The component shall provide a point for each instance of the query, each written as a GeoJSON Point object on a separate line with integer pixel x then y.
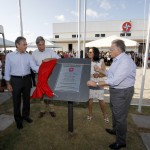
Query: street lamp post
{"type": "Point", "coordinates": [21, 24]}
{"type": "Point", "coordinates": [79, 22]}
{"type": "Point", "coordinates": [84, 35]}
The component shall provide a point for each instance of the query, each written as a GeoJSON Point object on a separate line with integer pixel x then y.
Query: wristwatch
{"type": "Point", "coordinates": [97, 84]}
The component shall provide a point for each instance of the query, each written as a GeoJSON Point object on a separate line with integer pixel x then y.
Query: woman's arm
{"type": "Point", "coordinates": [102, 70]}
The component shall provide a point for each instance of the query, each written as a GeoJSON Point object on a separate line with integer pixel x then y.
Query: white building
{"type": "Point", "coordinates": [65, 34]}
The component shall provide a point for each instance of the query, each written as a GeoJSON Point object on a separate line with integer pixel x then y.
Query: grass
{"type": "Point", "coordinates": [50, 133]}
{"type": "Point", "coordinates": [6, 107]}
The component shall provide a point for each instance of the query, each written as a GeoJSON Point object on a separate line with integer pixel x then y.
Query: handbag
{"type": "Point", "coordinates": [3, 82]}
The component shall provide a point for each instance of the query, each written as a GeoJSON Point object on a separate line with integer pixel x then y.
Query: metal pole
{"type": "Point", "coordinates": [84, 39]}
{"type": "Point", "coordinates": [21, 24]}
{"type": "Point", "coordinates": [145, 65]}
{"type": "Point", "coordinates": [79, 20]}
{"type": "Point", "coordinates": [70, 116]}
{"type": "Point", "coordinates": [4, 43]}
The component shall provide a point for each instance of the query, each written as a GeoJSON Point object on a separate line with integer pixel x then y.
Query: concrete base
{"type": "Point", "coordinates": [5, 121]}
{"type": "Point", "coordinates": [141, 121]}
{"type": "Point", "coordinates": [146, 140]}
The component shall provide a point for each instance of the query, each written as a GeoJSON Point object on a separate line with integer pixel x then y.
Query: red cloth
{"type": "Point", "coordinates": [44, 72]}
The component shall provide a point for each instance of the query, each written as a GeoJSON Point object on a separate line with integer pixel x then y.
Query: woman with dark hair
{"type": "Point", "coordinates": [96, 92]}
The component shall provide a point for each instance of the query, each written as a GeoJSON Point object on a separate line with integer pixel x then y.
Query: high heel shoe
{"type": "Point", "coordinates": [89, 117]}
{"type": "Point", "coordinates": [106, 119]}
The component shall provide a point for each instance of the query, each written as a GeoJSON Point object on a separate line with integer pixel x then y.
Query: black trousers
{"type": "Point", "coordinates": [33, 78]}
{"type": "Point", "coordinates": [21, 90]}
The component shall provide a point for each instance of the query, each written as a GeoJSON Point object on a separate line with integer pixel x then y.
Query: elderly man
{"type": "Point", "coordinates": [43, 53]}
{"type": "Point", "coordinates": [121, 80]}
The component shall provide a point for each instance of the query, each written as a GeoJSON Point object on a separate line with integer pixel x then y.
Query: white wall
{"type": "Point", "coordinates": [113, 27]}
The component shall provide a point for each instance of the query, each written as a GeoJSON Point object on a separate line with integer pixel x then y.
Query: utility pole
{"type": "Point", "coordinates": [21, 24]}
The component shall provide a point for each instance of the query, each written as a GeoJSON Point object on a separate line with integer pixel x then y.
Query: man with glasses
{"type": "Point", "coordinates": [121, 80]}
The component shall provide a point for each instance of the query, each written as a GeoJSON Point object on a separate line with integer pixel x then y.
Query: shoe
{"type": "Point", "coordinates": [1, 90]}
{"type": "Point", "coordinates": [117, 146]}
{"type": "Point", "coordinates": [110, 131]}
{"type": "Point", "coordinates": [106, 119]}
{"type": "Point", "coordinates": [89, 117]}
{"type": "Point", "coordinates": [41, 114]}
{"type": "Point", "coordinates": [52, 113]}
{"type": "Point", "coordinates": [19, 125]}
{"type": "Point", "coordinates": [28, 119]}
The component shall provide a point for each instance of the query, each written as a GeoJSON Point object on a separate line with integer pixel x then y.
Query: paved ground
{"type": "Point", "coordinates": [5, 121]}
{"type": "Point", "coordinates": [146, 140]}
{"type": "Point", "coordinates": [143, 122]}
{"type": "Point", "coordinates": [4, 96]}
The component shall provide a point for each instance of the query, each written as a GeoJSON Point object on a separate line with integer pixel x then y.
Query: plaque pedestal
{"type": "Point", "coordinates": [68, 81]}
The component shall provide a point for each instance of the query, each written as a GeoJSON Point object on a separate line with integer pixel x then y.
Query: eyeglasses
{"type": "Point", "coordinates": [112, 49]}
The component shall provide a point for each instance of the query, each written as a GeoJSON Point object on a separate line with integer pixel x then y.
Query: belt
{"type": "Point", "coordinates": [121, 89]}
{"type": "Point", "coordinates": [20, 77]}
{"type": "Point", "coordinates": [112, 88]}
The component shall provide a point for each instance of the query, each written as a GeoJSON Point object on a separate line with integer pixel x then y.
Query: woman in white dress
{"type": "Point", "coordinates": [96, 92]}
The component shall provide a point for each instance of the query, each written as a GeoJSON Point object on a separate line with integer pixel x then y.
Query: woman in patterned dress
{"type": "Point", "coordinates": [96, 92]}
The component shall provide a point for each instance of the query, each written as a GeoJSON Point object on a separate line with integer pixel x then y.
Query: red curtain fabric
{"type": "Point", "coordinates": [44, 72]}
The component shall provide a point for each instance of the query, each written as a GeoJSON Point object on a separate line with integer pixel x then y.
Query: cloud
{"type": "Point", "coordinates": [105, 4]}
{"type": "Point", "coordinates": [74, 13]}
{"type": "Point", "coordinates": [94, 14]}
{"type": "Point", "coordinates": [91, 13]}
{"type": "Point", "coordinates": [60, 18]}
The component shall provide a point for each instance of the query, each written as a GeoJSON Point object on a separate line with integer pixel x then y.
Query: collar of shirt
{"type": "Point", "coordinates": [118, 57]}
{"type": "Point", "coordinates": [41, 51]}
{"type": "Point", "coordinates": [17, 52]}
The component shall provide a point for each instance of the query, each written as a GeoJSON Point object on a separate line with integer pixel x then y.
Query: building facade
{"type": "Point", "coordinates": [66, 36]}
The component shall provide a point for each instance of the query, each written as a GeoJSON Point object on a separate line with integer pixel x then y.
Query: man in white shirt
{"type": "Point", "coordinates": [39, 55]}
{"type": "Point", "coordinates": [18, 80]}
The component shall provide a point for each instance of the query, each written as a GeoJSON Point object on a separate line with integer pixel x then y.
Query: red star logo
{"type": "Point", "coordinates": [71, 69]}
{"type": "Point", "coordinates": [126, 26]}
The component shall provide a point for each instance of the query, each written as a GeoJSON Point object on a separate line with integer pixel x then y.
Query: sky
{"type": "Point", "coordinates": [38, 16]}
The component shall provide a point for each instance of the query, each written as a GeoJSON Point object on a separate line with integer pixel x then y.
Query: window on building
{"type": "Point", "coordinates": [73, 36]}
{"type": "Point", "coordinates": [102, 35]}
{"type": "Point", "coordinates": [97, 35]}
{"type": "Point", "coordinates": [128, 34]}
{"type": "Point", "coordinates": [56, 36]}
{"type": "Point", "coordinates": [122, 34]}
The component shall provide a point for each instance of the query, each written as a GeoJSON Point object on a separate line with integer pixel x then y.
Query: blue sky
{"type": "Point", "coordinates": [39, 15]}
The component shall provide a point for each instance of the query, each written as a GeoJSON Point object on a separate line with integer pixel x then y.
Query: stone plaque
{"type": "Point", "coordinates": [69, 79]}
